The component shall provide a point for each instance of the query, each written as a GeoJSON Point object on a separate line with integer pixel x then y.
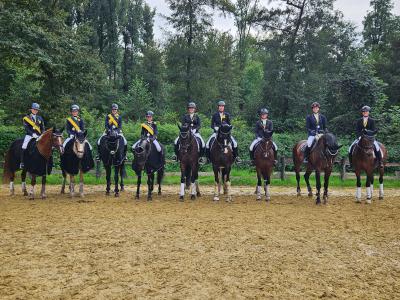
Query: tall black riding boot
{"type": "Point", "coordinates": [275, 157]}
{"type": "Point", "coordinates": [306, 154]}
{"type": "Point", "coordinates": [125, 152]}
{"type": "Point", "coordinates": [235, 154]}
{"type": "Point", "coordinates": [22, 164]}
{"type": "Point", "coordinates": [351, 159]}
{"type": "Point", "coordinates": [379, 158]}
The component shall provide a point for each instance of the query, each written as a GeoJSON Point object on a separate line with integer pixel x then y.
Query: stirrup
{"type": "Point", "coordinates": [21, 165]}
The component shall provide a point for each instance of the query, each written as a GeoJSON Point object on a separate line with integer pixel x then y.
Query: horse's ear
{"type": "Point", "coordinates": [85, 133]}
{"type": "Point", "coordinates": [62, 129]}
{"type": "Point", "coordinates": [180, 127]}
{"type": "Point", "coordinates": [340, 146]}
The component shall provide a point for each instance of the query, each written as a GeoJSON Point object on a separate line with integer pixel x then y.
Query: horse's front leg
{"type": "Point", "coordinates": [318, 183]}
{"type": "Point", "coordinates": [160, 175]}
{"type": "Point", "coordinates": [258, 188]}
{"type": "Point", "coordinates": [307, 179]}
{"type": "Point", "coordinates": [326, 185]}
{"type": "Point", "coordinates": [71, 186]}
{"type": "Point", "coordinates": [368, 187]}
{"type": "Point", "coordinates": [63, 182]}
{"type": "Point", "coordinates": [150, 184]}
{"type": "Point", "coordinates": [298, 182]}
{"type": "Point", "coordinates": [139, 181]}
{"type": "Point", "coordinates": [116, 180]}
{"type": "Point", "coordinates": [121, 174]}
{"type": "Point", "coordinates": [43, 190]}
{"type": "Point", "coordinates": [358, 187]}
{"type": "Point", "coordinates": [12, 189]}
{"type": "Point", "coordinates": [228, 184]}
{"type": "Point", "coordinates": [108, 179]}
{"type": "Point", "coordinates": [23, 182]}
{"type": "Point", "coordinates": [81, 183]}
{"type": "Point", "coordinates": [216, 187]}
{"type": "Point", "coordinates": [381, 173]}
{"type": "Point", "coordinates": [267, 182]}
{"type": "Point", "coordinates": [183, 181]}
{"type": "Point", "coordinates": [32, 191]}
{"type": "Point", "coordinates": [193, 181]}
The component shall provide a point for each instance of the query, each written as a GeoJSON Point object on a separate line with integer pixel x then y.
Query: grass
{"type": "Point", "coordinates": [238, 177]}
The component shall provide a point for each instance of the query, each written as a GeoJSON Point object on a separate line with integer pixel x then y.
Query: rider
{"type": "Point", "coordinates": [34, 127]}
{"type": "Point", "coordinates": [262, 124]}
{"type": "Point", "coordinates": [315, 124]}
{"type": "Point", "coordinates": [149, 129]}
{"type": "Point", "coordinates": [74, 124]}
{"type": "Point", "coordinates": [114, 121]}
{"type": "Point", "coordinates": [193, 120]}
{"type": "Point", "coordinates": [366, 122]}
{"type": "Point", "coordinates": [221, 117]}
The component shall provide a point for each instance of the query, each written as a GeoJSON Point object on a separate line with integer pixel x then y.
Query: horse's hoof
{"type": "Point", "coordinates": [137, 197]}
{"type": "Point", "coordinates": [62, 192]}
{"type": "Point", "coordinates": [318, 202]}
{"type": "Point", "coordinates": [310, 194]}
{"type": "Point", "coordinates": [31, 197]}
{"type": "Point", "coordinates": [82, 195]}
{"type": "Point", "coordinates": [380, 197]}
{"type": "Point", "coordinates": [149, 198]}
{"type": "Point", "coordinates": [268, 199]}
{"type": "Point", "coordinates": [198, 194]}
{"type": "Point", "coordinates": [357, 200]}
{"type": "Point", "coordinates": [116, 195]}
{"type": "Point", "coordinates": [181, 198]}
{"type": "Point", "coordinates": [44, 196]}
{"type": "Point", "coordinates": [25, 193]}
{"type": "Point", "coordinates": [159, 193]}
{"type": "Point", "coordinates": [368, 201]}
{"type": "Point", "coordinates": [193, 197]}
{"type": "Point", "coordinates": [298, 194]}
{"type": "Point", "coordinates": [216, 198]}
{"type": "Point", "coordinates": [122, 189]}
{"type": "Point", "coordinates": [107, 193]}
{"type": "Point", "coordinates": [258, 198]}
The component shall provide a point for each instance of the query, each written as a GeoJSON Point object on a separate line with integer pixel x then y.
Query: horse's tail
{"type": "Point", "coordinates": [7, 171]}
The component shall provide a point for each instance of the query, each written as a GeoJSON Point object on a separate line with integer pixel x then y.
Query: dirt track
{"type": "Point", "coordinates": [121, 248]}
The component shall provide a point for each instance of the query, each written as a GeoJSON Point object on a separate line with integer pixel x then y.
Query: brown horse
{"type": "Point", "coordinates": [188, 156]}
{"type": "Point", "coordinates": [363, 158]}
{"type": "Point", "coordinates": [38, 160]}
{"type": "Point", "coordinates": [221, 157]}
{"type": "Point", "coordinates": [264, 161]}
{"type": "Point", "coordinates": [321, 159]}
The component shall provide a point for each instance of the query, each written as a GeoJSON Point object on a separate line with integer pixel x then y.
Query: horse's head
{"type": "Point", "coordinates": [112, 141]}
{"type": "Point", "coordinates": [224, 133]}
{"type": "Point", "coordinates": [267, 134]}
{"type": "Point", "coordinates": [185, 136]}
{"type": "Point", "coordinates": [58, 140]}
{"type": "Point", "coordinates": [330, 144]}
{"type": "Point", "coordinates": [142, 150]}
{"type": "Point", "coordinates": [367, 139]}
{"type": "Point", "coordinates": [79, 143]}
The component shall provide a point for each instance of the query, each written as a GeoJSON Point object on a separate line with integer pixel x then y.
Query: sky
{"type": "Point", "coordinates": [353, 10]}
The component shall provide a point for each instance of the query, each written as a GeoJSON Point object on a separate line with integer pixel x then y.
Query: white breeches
{"type": "Point", "coordinates": [258, 140]}
{"type": "Point", "coordinates": [234, 143]}
{"type": "Point", "coordinates": [377, 148]}
{"type": "Point", "coordinates": [27, 139]}
{"type": "Point", "coordinates": [310, 141]}
{"type": "Point", "coordinates": [120, 134]}
{"type": "Point", "coordinates": [71, 137]}
{"type": "Point", "coordinates": [155, 142]}
{"type": "Point", "coordinates": [196, 134]}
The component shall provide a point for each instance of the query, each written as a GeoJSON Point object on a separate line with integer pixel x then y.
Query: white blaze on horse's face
{"type": "Point", "coordinates": [79, 148]}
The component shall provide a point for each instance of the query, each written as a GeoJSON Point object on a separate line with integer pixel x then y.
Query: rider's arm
{"type": "Point", "coordinates": [198, 123]}
{"type": "Point", "coordinates": [82, 125]}
{"type": "Point", "coordinates": [155, 130]}
{"type": "Point", "coordinates": [107, 124]}
{"type": "Point", "coordinates": [308, 125]}
{"type": "Point", "coordinates": [359, 127]}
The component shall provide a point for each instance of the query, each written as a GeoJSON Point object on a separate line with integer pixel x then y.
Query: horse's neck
{"type": "Point", "coordinates": [45, 144]}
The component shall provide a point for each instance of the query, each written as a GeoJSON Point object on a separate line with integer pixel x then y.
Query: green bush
{"type": "Point", "coordinates": [8, 134]}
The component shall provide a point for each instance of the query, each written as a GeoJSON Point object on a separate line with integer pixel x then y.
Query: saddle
{"type": "Point", "coordinates": [313, 145]}
{"type": "Point", "coordinates": [212, 141]}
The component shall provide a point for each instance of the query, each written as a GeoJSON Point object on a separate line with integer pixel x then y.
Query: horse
{"type": "Point", "coordinates": [146, 157]}
{"type": "Point", "coordinates": [77, 158]}
{"type": "Point", "coordinates": [264, 162]}
{"type": "Point", "coordinates": [363, 158]}
{"type": "Point", "coordinates": [321, 159]}
{"type": "Point", "coordinates": [221, 157]}
{"type": "Point", "coordinates": [38, 160]}
{"type": "Point", "coordinates": [188, 156]}
{"type": "Point", "coordinates": [111, 150]}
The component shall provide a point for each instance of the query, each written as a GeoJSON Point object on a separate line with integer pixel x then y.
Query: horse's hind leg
{"type": "Point", "coordinates": [228, 184]}
{"type": "Point", "coordinates": [216, 187]}
{"type": "Point", "coordinates": [23, 182]}
{"type": "Point", "coordinates": [63, 182]}
{"type": "Point", "coordinates": [43, 190]}
{"type": "Point", "coordinates": [81, 184]}
{"type": "Point", "coordinates": [160, 176]}
{"type": "Point", "coordinates": [267, 182]}
{"type": "Point", "coordinates": [193, 183]}
{"type": "Point", "coordinates": [32, 191]}
{"type": "Point", "coordinates": [12, 189]}
{"type": "Point", "coordinates": [71, 186]}
{"type": "Point", "coordinates": [108, 179]}
{"type": "Point", "coordinates": [183, 184]}
{"type": "Point", "coordinates": [298, 182]}
{"type": "Point", "coordinates": [368, 186]}
{"type": "Point", "coordinates": [326, 185]}
{"type": "Point", "coordinates": [381, 173]}
{"type": "Point", "coordinates": [150, 186]}
{"type": "Point", "coordinates": [121, 174]}
{"type": "Point", "coordinates": [139, 181]}
{"type": "Point", "coordinates": [318, 181]}
{"type": "Point", "coordinates": [358, 189]}
{"type": "Point", "coordinates": [307, 179]}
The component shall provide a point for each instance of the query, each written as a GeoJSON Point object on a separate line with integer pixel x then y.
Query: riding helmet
{"type": "Point", "coordinates": [191, 105]}
{"type": "Point", "coordinates": [365, 108]}
{"type": "Point", "coordinates": [263, 111]}
{"type": "Point", "coordinates": [35, 106]}
{"type": "Point", "coordinates": [315, 104]}
{"type": "Point", "coordinates": [114, 106]}
{"type": "Point", "coordinates": [74, 107]}
{"type": "Point", "coordinates": [221, 103]}
{"type": "Point", "coordinates": [149, 113]}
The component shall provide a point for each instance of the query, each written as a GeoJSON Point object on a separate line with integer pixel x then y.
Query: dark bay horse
{"type": "Point", "coordinates": [321, 159]}
{"type": "Point", "coordinates": [38, 160]}
{"type": "Point", "coordinates": [77, 158]}
{"type": "Point", "coordinates": [147, 158]}
{"type": "Point", "coordinates": [188, 156]}
{"type": "Point", "coordinates": [363, 158]}
{"type": "Point", "coordinates": [111, 151]}
{"type": "Point", "coordinates": [264, 162]}
{"type": "Point", "coordinates": [221, 157]}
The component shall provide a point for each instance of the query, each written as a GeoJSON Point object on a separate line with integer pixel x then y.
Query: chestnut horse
{"type": "Point", "coordinates": [38, 160]}
{"type": "Point", "coordinates": [264, 162]}
{"type": "Point", "coordinates": [321, 159]}
{"type": "Point", "coordinates": [363, 159]}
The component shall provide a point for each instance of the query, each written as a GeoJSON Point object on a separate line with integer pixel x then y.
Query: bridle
{"type": "Point", "coordinates": [225, 137]}
{"type": "Point", "coordinates": [367, 149]}
{"type": "Point", "coordinates": [187, 137]}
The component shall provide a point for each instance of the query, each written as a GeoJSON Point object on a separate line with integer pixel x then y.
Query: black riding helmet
{"type": "Point", "coordinates": [315, 104]}
{"type": "Point", "coordinates": [365, 108]}
{"type": "Point", "coordinates": [263, 111]}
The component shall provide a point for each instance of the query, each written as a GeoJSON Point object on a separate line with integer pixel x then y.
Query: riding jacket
{"type": "Point", "coordinates": [33, 124]}
{"type": "Point", "coordinates": [74, 125]}
{"type": "Point", "coordinates": [192, 120]}
{"type": "Point", "coordinates": [315, 123]}
{"type": "Point", "coordinates": [219, 118]}
{"type": "Point", "coordinates": [113, 121]}
{"type": "Point", "coordinates": [260, 127]}
{"type": "Point", "coordinates": [150, 128]}
{"type": "Point", "coordinates": [368, 124]}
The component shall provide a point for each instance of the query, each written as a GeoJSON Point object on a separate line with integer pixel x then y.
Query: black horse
{"type": "Point", "coordinates": [221, 157]}
{"type": "Point", "coordinates": [146, 157]}
{"type": "Point", "coordinates": [77, 158]}
{"type": "Point", "coordinates": [188, 156]}
{"type": "Point", "coordinates": [38, 160]}
{"type": "Point", "coordinates": [111, 152]}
